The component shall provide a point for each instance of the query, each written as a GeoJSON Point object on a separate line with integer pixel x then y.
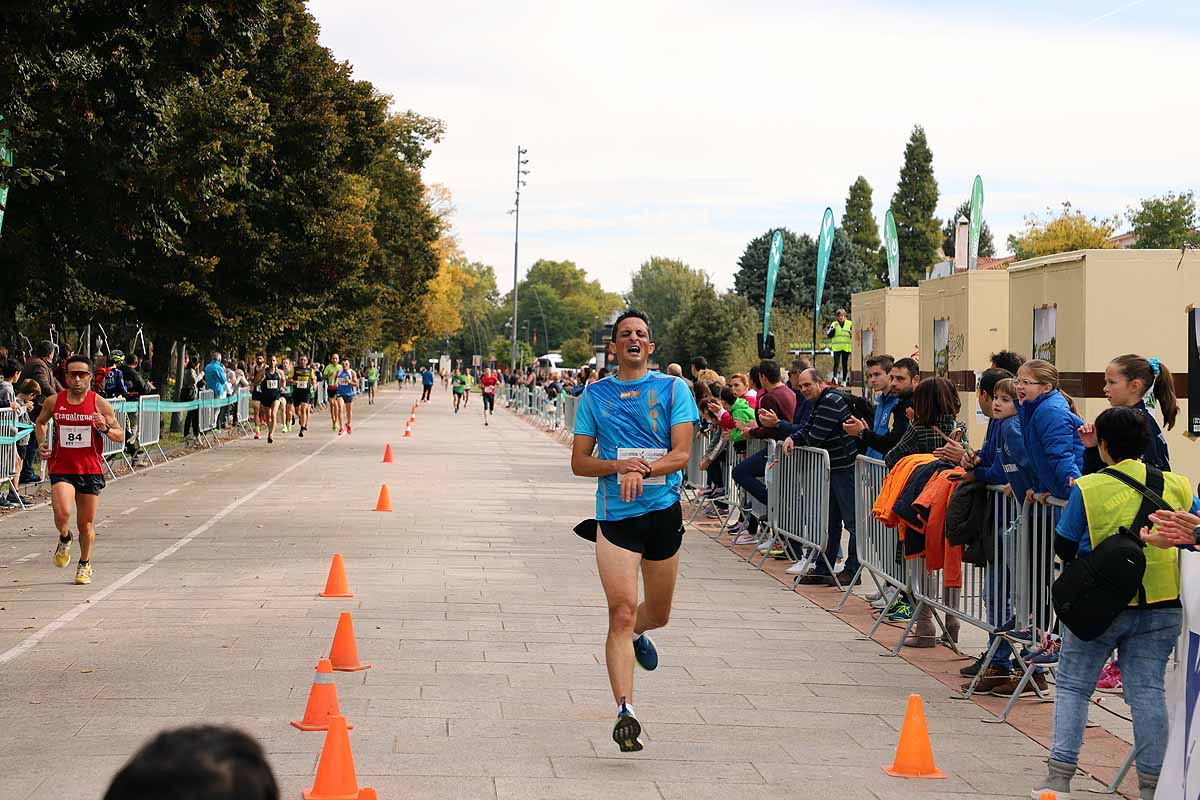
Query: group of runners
{"type": "Point", "coordinates": [281, 394]}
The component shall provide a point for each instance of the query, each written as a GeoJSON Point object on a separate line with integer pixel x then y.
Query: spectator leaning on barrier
{"type": "Point", "coordinates": [1050, 425]}
{"type": "Point", "coordinates": [1144, 633]}
{"type": "Point", "coordinates": [879, 377]}
{"type": "Point", "coordinates": [215, 379]}
{"type": "Point", "coordinates": [776, 403]}
{"type": "Point", "coordinates": [903, 377]}
{"type": "Point", "coordinates": [823, 430]}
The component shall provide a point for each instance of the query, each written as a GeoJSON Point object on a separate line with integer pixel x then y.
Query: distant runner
{"type": "Point", "coordinates": [270, 394]}
{"type": "Point", "coordinates": [488, 384]}
{"type": "Point", "coordinates": [426, 384]}
{"type": "Point", "coordinates": [372, 379]}
{"type": "Point", "coordinates": [82, 420]}
{"type": "Point", "coordinates": [302, 383]}
{"type": "Point", "coordinates": [331, 384]}
{"type": "Point", "coordinates": [643, 423]}
{"type": "Point", "coordinates": [460, 388]}
{"type": "Point", "coordinates": [347, 383]}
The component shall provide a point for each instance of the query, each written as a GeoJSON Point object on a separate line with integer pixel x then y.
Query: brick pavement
{"type": "Point", "coordinates": [483, 617]}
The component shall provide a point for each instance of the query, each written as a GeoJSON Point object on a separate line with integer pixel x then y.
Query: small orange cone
{"type": "Point", "coordinates": [387, 454]}
{"type": "Point", "coordinates": [335, 584]}
{"type": "Point", "coordinates": [384, 503]}
{"type": "Point", "coordinates": [1048, 795]}
{"type": "Point", "coordinates": [914, 754]}
{"type": "Point", "coordinates": [335, 771]}
{"type": "Point", "coordinates": [412, 418]}
{"type": "Point", "coordinates": [408, 430]}
{"type": "Point", "coordinates": [322, 701]}
{"type": "Point", "coordinates": [344, 653]}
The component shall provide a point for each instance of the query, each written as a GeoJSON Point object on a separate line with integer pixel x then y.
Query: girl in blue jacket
{"type": "Point", "coordinates": [1050, 429]}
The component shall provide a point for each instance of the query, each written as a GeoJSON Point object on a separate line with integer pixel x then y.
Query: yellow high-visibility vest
{"type": "Point", "coordinates": [841, 339]}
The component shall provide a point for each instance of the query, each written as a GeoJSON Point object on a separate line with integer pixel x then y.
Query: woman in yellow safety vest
{"type": "Point", "coordinates": [1145, 633]}
{"type": "Point", "coordinates": [840, 342]}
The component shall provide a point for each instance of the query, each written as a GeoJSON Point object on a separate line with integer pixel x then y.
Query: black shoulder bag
{"type": "Point", "coordinates": [1097, 586]}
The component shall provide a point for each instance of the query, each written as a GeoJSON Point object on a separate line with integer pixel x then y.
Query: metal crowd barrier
{"type": "Point", "coordinates": [207, 414]}
{"type": "Point", "coordinates": [8, 452]}
{"type": "Point", "coordinates": [149, 425]}
{"type": "Point", "coordinates": [798, 503]}
{"type": "Point", "coordinates": [570, 404]}
{"type": "Point", "coordinates": [243, 409]}
{"type": "Point", "coordinates": [878, 546]}
{"type": "Point", "coordinates": [117, 449]}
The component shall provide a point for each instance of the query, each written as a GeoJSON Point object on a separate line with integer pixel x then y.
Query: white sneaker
{"type": "Point", "coordinates": [800, 568]}
{"type": "Point", "coordinates": [765, 546]}
{"type": "Point", "coordinates": [744, 538]}
{"type": "Point", "coordinates": [839, 566]}
{"type": "Point", "coordinates": [873, 596]}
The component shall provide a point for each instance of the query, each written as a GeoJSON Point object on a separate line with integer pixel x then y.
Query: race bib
{"type": "Point", "coordinates": [301, 384]}
{"type": "Point", "coordinates": [650, 454]}
{"type": "Point", "coordinates": [74, 436]}
{"type": "Point", "coordinates": [343, 381]}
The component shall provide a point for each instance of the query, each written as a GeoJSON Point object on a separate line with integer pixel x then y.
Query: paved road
{"type": "Point", "coordinates": [482, 616]}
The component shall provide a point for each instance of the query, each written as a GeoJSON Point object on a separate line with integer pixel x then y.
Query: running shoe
{"type": "Point", "coordinates": [900, 612]}
{"type": "Point", "coordinates": [349, 430]}
{"type": "Point", "coordinates": [83, 574]}
{"type": "Point", "coordinates": [62, 553]}
{"type": "Point", "coordinates": [302, 433]}
{"type": "Point", "coordinates": [627, 730]}
{"type": "Point", "coordinates": [339, 430]}
{"type": "Point", "coordinates": [764, 546]}
{"type": "Point", "coordinates": [645, 652]}
{"type": "Point", "coordinates": [270, 440]}
{"type": "Point", "coordinates": [1110, 678]}
{"type": "Point", "coordinates": [256, 435]}
{"type": "Point", "coordinates": [971, 670]}
{"type": "Point", "coordinates": [873, 596]}
{"type": "Point", "coordinates": [744, 538]}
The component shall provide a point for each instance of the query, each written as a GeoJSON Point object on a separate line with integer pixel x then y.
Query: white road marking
{"type": "Point", "coordinates": [186, 483]}
{"type": "Point", "coordinates": [149, 500]}
{"type": "Point", "coordinates": [170, 492]}
{"type": "Point", "coordinates": [128, 511]}
{"type": "Point", "coordinates": [25, 558]}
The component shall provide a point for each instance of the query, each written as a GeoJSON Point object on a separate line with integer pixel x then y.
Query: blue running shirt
{"type": "Point", "coordinates": [639, 414]}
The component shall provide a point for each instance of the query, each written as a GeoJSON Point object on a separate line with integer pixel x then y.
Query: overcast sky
{"type": "Point", "coordinates": [684, 129]}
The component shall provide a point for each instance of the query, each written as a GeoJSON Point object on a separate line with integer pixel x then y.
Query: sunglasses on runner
{"type": "Point", "coordinates": [77, 374]}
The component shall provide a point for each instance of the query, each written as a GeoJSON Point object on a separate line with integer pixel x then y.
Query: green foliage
{"type": "Point", "coordinates": [559, 302]}
{"type": "Point", "coordinates": [858, 222]}
{"type": "Point", "coordinates": [987, 248]}
{"type": "Point", "coordinates": [663, 288]}
{"type": "Point", "coordinates": [576, 352]}
{"type": "Point", "coordinates": [1061, 232]}
{"type": "Point", "coordinates": [914, 205]}
{"type": "Point", "coordinates": [1165, 222]}
{"type": "Point", "coordinates": [796, 283]}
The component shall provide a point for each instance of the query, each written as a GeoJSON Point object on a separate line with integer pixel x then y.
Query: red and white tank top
{"type": "Point", "coordinates": [77, 443]}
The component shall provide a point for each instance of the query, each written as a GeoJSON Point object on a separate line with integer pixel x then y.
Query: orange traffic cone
{"type": "Point", "coordinates": [335, 584]}
{"type": "Point", "coordinates": [387, 454]}
{"type": "Point", "coordinates": [384, 503]}
{"type": "Point", "coordinates": [344, 653]}
{"type": "Point", "coordinates": [1048, 795]}
{"type": "Point", "coordinates": [322, 701]}
{"type": "Point", "coordinates": [412, 418]}
{"type": "Point", "coordinates": [335, 771]}
{"type": "Point", "coordinates": [408, 430]}
{"type": "Point", "coordinates": [914, 754]}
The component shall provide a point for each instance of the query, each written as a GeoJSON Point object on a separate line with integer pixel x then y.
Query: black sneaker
{"type": "Point", "coordinates": [971, 670]}
{"type": "Point", "coordinates": [626, 731]}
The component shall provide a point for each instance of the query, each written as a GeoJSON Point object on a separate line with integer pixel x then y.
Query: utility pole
{"type": "Point", "coordinates": [516, 212]}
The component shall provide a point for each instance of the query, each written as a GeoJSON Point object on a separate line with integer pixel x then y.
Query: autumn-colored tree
{"type": "Point", "coordinates": [1061, 232]}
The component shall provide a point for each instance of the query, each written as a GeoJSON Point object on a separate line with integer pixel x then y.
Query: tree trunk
{"type": "Point", "coordinates": [179, 363]}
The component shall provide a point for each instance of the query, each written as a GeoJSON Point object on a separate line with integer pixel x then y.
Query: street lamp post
{"type": "Point", "coordinates": [516, 212]}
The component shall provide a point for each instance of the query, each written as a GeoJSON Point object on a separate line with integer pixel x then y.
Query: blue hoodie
{"type": "Point", "coordinates": [1050, 431]}
{"type": "Point", "coordinates": [1010, 454]}
{"type": "Point", "coordinates": [883, 420]}
{"type": "Point", "coordinates": [990, 469]}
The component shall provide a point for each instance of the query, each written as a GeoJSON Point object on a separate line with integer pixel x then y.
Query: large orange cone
{"type": "Point", "coordinates": [387, 454]}
{"type": "Point", "coordinates": [1048, 795]}
{"type": "Point", "coordinates": [384, 503]}
{"type": "Point", "coordinates": [335, 584]}
{"type": "Point", "coordinates": [408, 430]}
{"type": "Point", "coordinates": [914, 754]}
{"type": "Point", "coordinates": [335, 771]}
{"type": "Point", "coordinates": [344, 653]}
{"type": "Point", "coordinates": [322, 701]}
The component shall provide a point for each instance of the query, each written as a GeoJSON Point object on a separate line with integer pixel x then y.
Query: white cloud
{"type": "Point", "coordinates": [687, 128]}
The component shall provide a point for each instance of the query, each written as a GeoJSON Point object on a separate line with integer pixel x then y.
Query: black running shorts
{"type": "Point", "coordinates": [84, 484]}
{"type": "Point", "coordinates": [657, 535]}
{"type": "Point", "coordinates": [299, 397]}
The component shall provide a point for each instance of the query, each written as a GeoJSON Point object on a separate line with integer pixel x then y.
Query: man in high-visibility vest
{"type": "Point", "coordinates": [1145, 633]}
{"type": "Point", "coordinates": [840, 335]}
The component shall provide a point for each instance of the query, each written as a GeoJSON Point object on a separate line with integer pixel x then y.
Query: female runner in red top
{"type": "Point", "coordinates": [81, 417]}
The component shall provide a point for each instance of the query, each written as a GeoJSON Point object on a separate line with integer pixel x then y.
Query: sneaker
{"type": "Point", "coordinates": [971, 670]}
{"type": "Point", "coordinates": [815, 579]}
{"type": "Point", "coordinates": [256, 435]}
{"type": "Point", "coordinates": [744, 538]}
{"type": "Point", "coordinates": [627, 730]}
{"type": "Point", "coordinates": [1047, 654]}
{"type": "Point", "coordinates": [800, 568]}
{"type": "Point", "coordinates": [1007, 688]}
{"type": "Point", "coordinates": [83, 574]}
{"type": "Point", "coordinates": [992, 678]}
{"type": "Point", "coordinates": [339, 430]}
{"type": "Point", "coordinates": [764, 547]}
{"type": "Point", "coordinates": [848, 578]}
{"type": "Point", "coordinates": [1110, 678]}
{"type": "Point", "coordinates": [901, 611]}
{"type": "Point", "coordinates": [874, 597]}
{"type": "Point", "coordinates": [1023, 635]}
{"type": "Point", "coordinates": [349, 430]}
{"type": "Point", "coordinates": [302, 433]}
{"type": "Point", "coordinates": [62, 553]}
{"type": "Point", "coordinates": [645, 652]}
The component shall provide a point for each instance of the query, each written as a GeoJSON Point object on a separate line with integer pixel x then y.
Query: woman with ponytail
{"type": "Point", "coordinates": [1128, 381]}
{"type": "Point", "coordinates": [1050, 427]}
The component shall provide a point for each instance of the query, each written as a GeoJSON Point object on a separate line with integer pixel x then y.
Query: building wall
{"type": "Point", "coordinates": [892, 315]}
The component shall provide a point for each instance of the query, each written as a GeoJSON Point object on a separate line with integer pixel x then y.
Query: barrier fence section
{"type": "Point", "coordinates": [798, 503]}
{"type": "Point", "coordinates": [207, 414]}
{"type": "Point", "coordinates": [117, 449]}
{"type": "Point", "coordinates": [8, 449]}
{"type": "Point", "coordinates": [570, 403]}
{"type": "Point", "coordinates": [243, 409]}
{"type": "Point", "coordinates": [149, 424]}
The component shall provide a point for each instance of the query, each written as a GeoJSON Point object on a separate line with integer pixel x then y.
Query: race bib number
{"type": "Point", "coordinates": [272, 384]}
{"type": "Point", "coordinates": [650, 454]}
{"type": "Point", "coordinates": [301, 384]}
{"type": "Point", "coordinates": [343, 381]}
{"type": "Point", "coordinates": [74, 436]}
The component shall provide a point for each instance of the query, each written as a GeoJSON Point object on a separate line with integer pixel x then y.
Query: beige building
{"type": "Point", "coordinates": [885, 321]}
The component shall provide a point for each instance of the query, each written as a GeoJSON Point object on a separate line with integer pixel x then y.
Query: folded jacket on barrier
{"type": "Point", "coordinates": [969, 522]}
{"type": "Point", "coordinates": [893, 484]}
{"type": "Point", "coordinates": [931, 506]}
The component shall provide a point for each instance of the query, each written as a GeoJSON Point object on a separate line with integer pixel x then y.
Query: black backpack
{"type": "Point", "coordinates": [1097, 586]}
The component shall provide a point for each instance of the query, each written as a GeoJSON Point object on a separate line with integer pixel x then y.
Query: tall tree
{"type": "Point", "coordinates": [859, 224]}
{"type": "Point", "coordinates": [660, 288]}
{"type": "Point", "coordinates": [1060, 232]}
{"type": "Point", "coordinates": [914, 206]}
{"type": "Point", "coordinates": [987, 247]}
{"type": "Point", "coordinates": [796, 283]}
{"type": "Point", "coordinates": [1165, 222]}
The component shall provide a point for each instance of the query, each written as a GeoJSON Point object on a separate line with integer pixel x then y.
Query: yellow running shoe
{"type": "Point", "coordinates": [83, 575]}
{"type": "Point", "coordinates": [62, 553]}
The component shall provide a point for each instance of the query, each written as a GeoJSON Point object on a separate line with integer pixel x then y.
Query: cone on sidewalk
{"type": "Point", "coordinates": [335, 584]}
{"type": "Point", "coordinates": [335, 771]}
{"type": "Point", "coordinates": [343, 655]}
{"type": "Point", "coordinates": [387, 454]}
{"type": "Point", "coordinates": [412, 418]}
{"type": "Point", "coordinates": [408, 430]}
{"type": "Point", "coordinates": [322, 701]}
{"type": "Point", "coordinates": [384, 503]}
{"type": "Point", "coordinates": [914, 754]}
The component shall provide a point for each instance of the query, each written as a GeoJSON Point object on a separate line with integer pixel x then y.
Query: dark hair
{"type": "Point", "coordinates": [9, 367]}
{"type": "Point", "coordinates": [885, 363]}
{"type": "Point", "coordinates": [44, 349]}
{"type": "Point", "coordinates": [769, 370]}
{"type": "Point", "coordinates": [1007, 360]}
{"type": "Point", "coordinates": [755, 377]}
{"type": "Point", "coordinates": [1123, 431]}
{"type": "Point", "coordinates": [133, 360]}
{"type": "Point", "coordinates": [630, 314]}
{"type": "Point", "coordinates": [799, 365]}
{"type": "Point", "coordinates": [909, 365]}
{"type": "Point", "coordinates": [78, 359]}
{"type": "Point", "coordinates": [1138, 368]}
{"type": "Point", "coordinates": [30, 387]}
{"type": "Point", "coordinates": [989, 379]}
{"type": "Point", "coordinates": [728, 395]}
{"type": "Point", "coordinates": [205, 762]}
{"type": "Point", "coordinates": [699, 363]}
{"type": "Point", "coordinates": [933, 400]}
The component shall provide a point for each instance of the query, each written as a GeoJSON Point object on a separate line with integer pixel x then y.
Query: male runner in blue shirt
{"type": "Point", "coordinates": [642, 421]}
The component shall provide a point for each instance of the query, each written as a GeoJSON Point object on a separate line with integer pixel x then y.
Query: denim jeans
{"type": "Point", "coordinates": [841, 514]}
{"type": "Point", "coordinates": [749, 473]}
{"type": "Point", "coordinates": [997, 590]}
{"type": "Point", "coordinates": [1145, 639]}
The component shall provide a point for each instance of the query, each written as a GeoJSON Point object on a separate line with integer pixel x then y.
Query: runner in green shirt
{"type": "Point", "coordinates": [459, 385]}
{"type": "Point", "coordinates": [335, 402]}
{"type": "Point", "coordinates": [372, 379]}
